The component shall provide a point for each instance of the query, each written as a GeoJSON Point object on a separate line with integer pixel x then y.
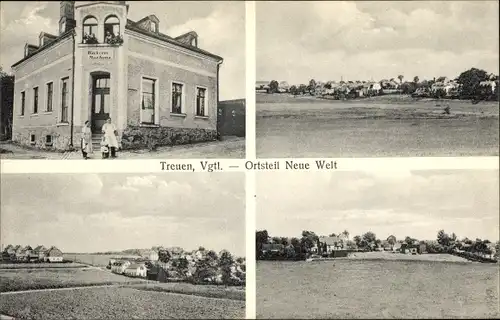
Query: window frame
{"type": "Point", "coordinates": [62, 100]}
{"type": "Point", "coordinates": [91, 25]}
{"type": "Point", "coordinates": [106, 24]}
{"type": "Point", "coordinates": [154, 27]}
{"type": "Point", "coordinates": [205, 107]}
{"type": "Point", "coordinates": [23, 103]}
{"type": "Point", "coordinates": [36, 96]}
{"type": "Point", "coordinates": [47, 142]}
{"type": "Point", "coordinates": [47, 96]}
{"type": "Point", "coordinates": [156, 99]}
{"type": "Point", "coordinates": [183, 98]}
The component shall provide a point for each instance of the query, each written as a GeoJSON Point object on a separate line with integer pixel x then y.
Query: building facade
{"type": "Point", "coordinates": [155, 88]}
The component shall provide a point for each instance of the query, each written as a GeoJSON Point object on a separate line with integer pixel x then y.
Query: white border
{"type": "Point", "coordinates": [250, 205]}
{"type": "Point", "coordinates": [343, 164]}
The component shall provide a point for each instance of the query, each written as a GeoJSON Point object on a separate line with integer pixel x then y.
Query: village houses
{"type": "Point", "coordinates": [103, 65]}
{"type": "Point", "coordinates": [19, 253]}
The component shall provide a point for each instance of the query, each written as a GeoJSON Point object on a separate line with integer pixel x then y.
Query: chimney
{"type": "Point", "coordinates": [67, 16]}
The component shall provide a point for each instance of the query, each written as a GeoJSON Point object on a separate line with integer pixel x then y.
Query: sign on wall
{"type": "Point", "coordinates": [97, 55]}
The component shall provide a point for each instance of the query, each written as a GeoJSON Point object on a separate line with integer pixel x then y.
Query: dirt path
{"type": "Point", "coordinates": [230, 147]}
{"type": "Point", "coordinates": [58, 289]}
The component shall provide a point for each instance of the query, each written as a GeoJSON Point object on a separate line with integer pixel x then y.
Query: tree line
{"type": "Point", "coordinates": [469, 81]}
{"type": "Point", "coordinates": [301, 248]}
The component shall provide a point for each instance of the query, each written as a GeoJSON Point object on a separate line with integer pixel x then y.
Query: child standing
{"type": "Point", "coordinates": [104, 148]}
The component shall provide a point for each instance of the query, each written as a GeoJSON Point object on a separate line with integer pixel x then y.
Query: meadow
{"type": "Point", "coordinates": [377, 289]}
{"type": "Point", "coordinates": [35, 279]}
{"type": "Point", "coordinates": [117, 303]}
{"type": "Point", "coordinates": [374, 127]}
{"type": "Point", "coordinates": [40, 265]}
{"type": "Point", "coordinates": [210, 291]}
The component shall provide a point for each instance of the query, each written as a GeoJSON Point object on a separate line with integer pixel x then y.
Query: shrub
{"type": "Point", "coordinates": [135, 137]}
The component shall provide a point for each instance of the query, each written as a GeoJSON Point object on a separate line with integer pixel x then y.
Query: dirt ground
{"type": "Point", "coordinates": [229, 148]}
{"type": "Point", "coordinates": [378, 127]}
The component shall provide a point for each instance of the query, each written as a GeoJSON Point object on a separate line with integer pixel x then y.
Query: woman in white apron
{"type": "Point", "coordinates": [86, 143]}
{"type": "Point", "coordinates": [110, 134]}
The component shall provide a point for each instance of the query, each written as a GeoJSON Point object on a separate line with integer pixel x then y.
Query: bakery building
{"type": "Point", "coordinates": [155, 88]}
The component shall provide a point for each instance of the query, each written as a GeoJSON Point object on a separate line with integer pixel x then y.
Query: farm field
{"type": "Point", "coordinates": [211, 291]}
{"type": "Point", "coordinates": [117, 303]}
{"type": "Point", "coordinates": [14, 280]}
{"type": "Point", "coordinates": [377, 289]}
{"type": "Point", "coordinates": [378, 127]}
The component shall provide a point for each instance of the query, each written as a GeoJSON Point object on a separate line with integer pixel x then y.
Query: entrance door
{"type": "Point", "coordinates": [100, 101]}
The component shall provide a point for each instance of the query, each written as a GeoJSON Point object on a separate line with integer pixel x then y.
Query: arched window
{"type": "Point", "coordinates": [111, 28]}
{"type": "Point", "coordinates": [89, 30]}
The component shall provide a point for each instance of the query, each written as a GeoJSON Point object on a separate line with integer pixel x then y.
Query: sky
{"type": "Point", "coordinates": [107, 212]}
{"type": "Point", "coordinates": [220, 27]}
{"type": "Point", "coordinates": [400, 203]}
{"type": "Point", "coordinates": [364, 40]}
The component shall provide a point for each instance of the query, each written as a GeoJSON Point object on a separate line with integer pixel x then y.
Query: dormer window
{"type": "Point", "coordinates": [89, 30]}
{"type": "Point", "coordinates": [154, 27]}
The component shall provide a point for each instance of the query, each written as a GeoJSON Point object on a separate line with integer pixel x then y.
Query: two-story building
{"type": "Point", "coordinates": [156, 89]}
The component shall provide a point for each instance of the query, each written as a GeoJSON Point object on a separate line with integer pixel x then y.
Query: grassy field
{"type": "Point", "coordinates": [377, 289]}
{"type": "Point", "coordinates": [211, 291]}
{"type": "Point", "coordinates": [117, 303]}
{"type": "Point", "coordinates": [377, 127]}
{"type": "Point", "coordinates": [385, 255]}
{"type": "Point", "coordinates": [14, 280]}
{"type": "Point", "coordinates": [40, 265]}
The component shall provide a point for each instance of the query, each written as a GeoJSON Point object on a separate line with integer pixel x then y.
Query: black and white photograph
{"type": "Point", "coordinates": [377, 78]}
{"type": "Point", "coordinates": [122, 79]}
{"type": "Point", "coordinates": [378, 245]}
{"type": "Point", "coordinates": [123, 246]}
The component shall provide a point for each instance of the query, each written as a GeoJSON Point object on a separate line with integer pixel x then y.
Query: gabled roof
{"type": "Point", "coordinates": [151, 17]}
{"type": "Point", "coordinates": [40, 248]}
{"type": "Point", "coordinates": [53, 251]}
{"type": "Point", "coordinates": [56, 40]}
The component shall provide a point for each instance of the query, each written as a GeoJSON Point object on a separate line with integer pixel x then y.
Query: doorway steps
{"type": "Point", "coordinates": [96, 141]}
